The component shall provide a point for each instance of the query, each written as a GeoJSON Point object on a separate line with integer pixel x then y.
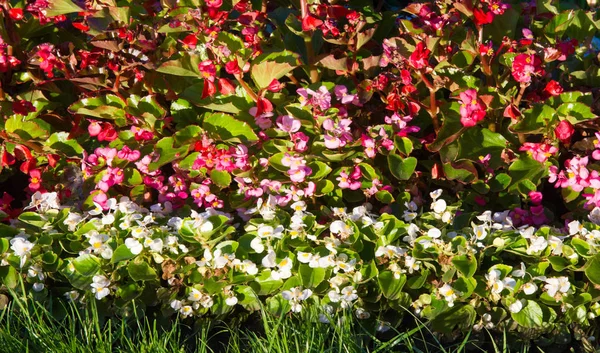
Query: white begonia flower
{"type": "Point", "coordinates": [265, 231]}
{"type": "Point", "coordinates": [529, 288]}
{"type": "Point", "coordinates": [246, 266]}
{"type": "Point", "coordinates": [594, 216]}
{"type": "Point", "coordinates": [175, 223]}
{"type": "Point", "coordinates": [134, 246]}
{"type": "Point", "coordinates": [575, 227]}
{"type": "Point", "coordinates": [411, 264]}
{"type": "Point", "coordinates": [434, 233]}
{"type": "Point", "coordinates": [269, 260]}
{"type": "Point", "coordinates": [339, 212]}
{"type": "Point", "coordinates": [195, 295]}
{"type": "Point", "coordinates": [538, 244]}
{"type": "Point", "coordinates": [411, 211]}
{"type": "Point", "coordinates": [36, 271]}
{"type": "Point", "coordinates": [257, 245]}
{"type": "Point", "coordinates": [44, 201]}
{"type": "Point", "coordinates": [304, 257]}
{"type": "Point", "coordinates": [485, 217]}
{"type": "Point", "coordinates": [494, 282]}
{"type": "Point", "coordinates": [362, 314]}
{"type": "Point", "coordinates": [231, 300]}
{"type": "Point", "coordinates": [436, 194]}
{"type": "Point", "coordinates": [447, 217]}
{"type": "Point", "coordinates": [295, 296]}
{"type": "Point", "coordinates": [448, 293]}
{"type": "Point", "coordinates": [96, 211]}
{"type": "Point", "coordinates": [557, 285]}
{"type": "Point", "coordinates": [186, 310]}
{"type": "Point", "coordinates": [327, 261]}
{"type": "Point", "coordinates": [341, 228]}
{"type": "Point", "coordinates": [100, 286]}
{"type": "Point", "coordinates": [108, 219]}
{"type": "Point", "coordinates": [509, 283]}
{"type": "Point", "coordinates": [222, 259]}
{"type": "Point", "coordinates": [412, 231]}
{"type": "Point", "coordinates": [284, 269]}
{"type": "Point", "coordinates": [515, 307]}
{"type": "Point", "coordinates": [71, 295]}
{"type": "Point", "coordinates": [38, 287]}
{"type": "Point", "coordinates": [156, 245]}
{"type": "Point", "coordinates": [299, 206]}
{"type": "Point", "coordinates": [72, 220]}
{"type": "Point", "coordinates": [438, 206]}
{"type": "Point", "coordinates": [342, 263]}
{"type": "Point", "coordinates": [345, 297]}
{"type": "Point", "coordinates": [390, 251]}
{"type": "Point", "coordinates": [315, 261]}
{"type": "Point", "coordinates": [480, 231]}
{"type": "Point", "coordinates": [519, 273]}
{"type": "Point", "coordinates": [556, 244]}
{"type": "Point", "coordinates": [527, 232]}
{"type": "Point", "coordinates": [21, 247]}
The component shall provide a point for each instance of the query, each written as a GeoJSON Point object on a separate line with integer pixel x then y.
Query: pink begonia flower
{"type": "Point", "coordinates": [295, 193]}
{"type": "Point", "coordinates": [128, 154]}
{"type": "Point", "coordinates": [142, 134]}
{"type": "Point", "coordinates": [369, 145]}
{"type": "Point", "coordinates": [536, 197]}
{"type": "Point", "coordinates": [113, 176]}
{"type": "Point", "coordinates": [178, 183]}
{"type": "Point", "coordinates": [271, 186]}
{"type": "Point", "coordinates": [596, 153]}
{"type": "Point", "coordinates": [300, 142]}
{"type": "Point", "coordinates": [538, 217]}
{"type": "Point", "coordinates": [557, 177]}
{"type": "Point", "coordinates": [350, 181]}
{"type": "Point", "coordinates": [592, 199]}
{"type": "Point", "coordinates": [107, 153]}
{"type": "Point", "coordinates": [374, 188]}
{"type": "Point", "coordinates": [525, 65]}
{"type": "Point", "coordinates": [320, 98]}
{"type": "Point", "coordinates": [539, 151]}
{"type": "Point", "coordinates": [310, 189]}
{"type": "Point", "coordinates": [263, 120]}
{"type": "Point", "coordinates": [338, 134]}
{"type": "Point", "coordinates": [288, 124]}
{"type": "Point", "coordinates": [472, 109]}
{"type": "Point", "coordinates": [142, 166]}
{"type": "Point", "coordinates": [101, 199]}
{"type": "Point", "coordinates": [298, 174]}
{"type": "Point", "coordinates": [341, 93]}
{"type": "Point", "coordinates": [563, 131]}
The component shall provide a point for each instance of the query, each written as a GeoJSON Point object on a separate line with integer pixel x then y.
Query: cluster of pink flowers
{"type": "Point", "coordinates": [472, 109]}
{"type": "Point", "coordinates": [539, 151]}
{"type": "Point", "coordinates": [350, 181]}
{"type": "Point", "coordinates": [534, 215]}
{"type": "Point", "coordinates": [578, 177]}
{"type": "Point", "coordinates": [338, 134]}
{"type": "Point", "coordinates": [223, 159]}
{"type": "Point", "coordinates": [298, 169]}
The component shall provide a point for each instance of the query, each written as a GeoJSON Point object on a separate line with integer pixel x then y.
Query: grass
{"type": "Point", "coordinates": [30, 327]}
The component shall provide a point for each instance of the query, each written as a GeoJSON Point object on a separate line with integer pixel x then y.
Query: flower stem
{"type": "Point", "coordinates": [263, 7]}
{"type": "Point", "coordinates": [245, 86]}
{"type": "Point", "coordinates": [433, 110]}
{"type": "Point", "coordinates": [522, 138]}
{"type": "Point", "coordinates": [310, 52]}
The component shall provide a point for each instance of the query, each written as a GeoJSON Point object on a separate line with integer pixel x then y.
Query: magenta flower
{"type": "Point", "coordinates": [338, 134]}
{"type": "Point", "coordinates": [341, 93]}
{"type": "Point", "coordinates": [128, 154]}
{"type": "Point", "coordinates": [320, 98]}
{"type": "Point", "coordinates": [472, 109]}
{"type": "Point", "coordinates": [288, 124]}
{"type": "Point", "coordinates": [300, 141]}
{"type": "Point", "coordinates": [350, 181]}
{"type": "Point", "coordinates": [539, 151]}
{"type": "Point", "coordinates": [369, 145]}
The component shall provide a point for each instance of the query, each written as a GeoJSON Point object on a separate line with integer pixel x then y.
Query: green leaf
{"type": "Point", "coordinates": [263, 284]}
{"type": "Point", "coordinates": [451, 128]}
{"type": "Point", "coordinates": [86, 265]}
{"type": "Point", "coordinates": [535, 120]}
{"type": "Point", "coordinates": [61, 7]}
{"type": "Point", "coordinates": [391, 287]}
{"type": "Point", "coordinates": [525, 169]}
{"type": "Point", "coordinates": [35, 219]}
{"type": "Point", "coordinates": [226, 127]}
{"type": "Point", "coordinates": [106, 107]}
{"type": "Point", "coordinates": [531, 316]}
{"type": "Point", "coordinates": [402, 168]}
{"type": "Point", "coordinates": [221, 178]}
{"type": "Point", "coordinates": [477, 142]}
{"type": "Point", "coordinates": [129, 291]}
{"type": "Point", "coordinates": [60, 142]}
{"type": "Point", "coordinates": [324, 187]}
{"type": "Point", "coordinates": [404, 145]}
{"type": "Point", "coordinates": [384, 196]}
{"type": "Point", "coordinates": [187, 65]}
{"type": "Point", "coordinates": [311, 277]}
{"type": "Point", "coordinates": [9, 276]}
{"type": "Point", "coordinates": [592, 270]}
{"type": "Point", "coordinates": [462, 316]}
{"type": "Point", "coordinates": [121, 253]}
{"type": "Point", "coordinates": [141, 271]}
{"type": "Point", "coordinates": [500, 182]}
{"type": "Point", "coordinates": [575, 112]}
{"type": "Point", "coordinates": [319, 170]}
{"type": "Point", "coordinates": [467, 265]}
{"type": "Point", "coordinates": [268, 67]}
{"type": "Point", "coordinates": [167, 152]}
{"type": "Point", "coordinates": [463, 171]}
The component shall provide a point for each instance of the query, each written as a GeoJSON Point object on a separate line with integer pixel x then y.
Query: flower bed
{"type": "Point", "coordinates": [209, 159]}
